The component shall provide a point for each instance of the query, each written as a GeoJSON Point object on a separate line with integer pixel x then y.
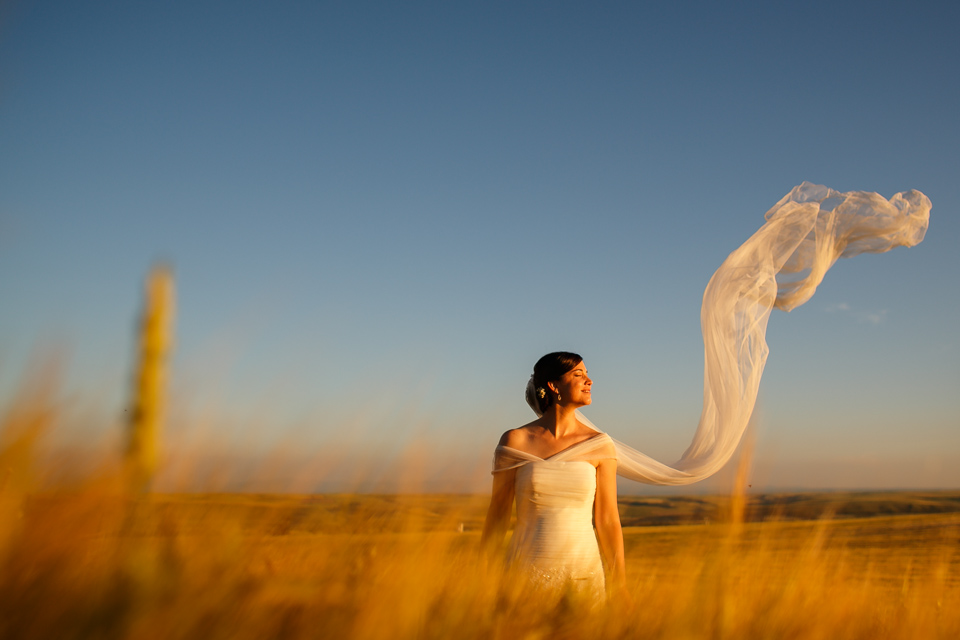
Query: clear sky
{"type": "Point", "coordinates": [381, 214]}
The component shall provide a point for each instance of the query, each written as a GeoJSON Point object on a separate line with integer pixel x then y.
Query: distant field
{"type": "Point", "coordinates": [369, 513]}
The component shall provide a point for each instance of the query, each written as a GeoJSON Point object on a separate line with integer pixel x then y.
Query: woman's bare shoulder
{"type": "Point", "coordinates": [517, 438]}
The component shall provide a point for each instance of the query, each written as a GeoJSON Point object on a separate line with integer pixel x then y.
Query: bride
{"type": "Point", "coordinates": [562, 474]}
{"type": "Point", "coordinates": [561, 470]}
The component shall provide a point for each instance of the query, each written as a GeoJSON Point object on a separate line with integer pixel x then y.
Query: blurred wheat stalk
{"type": "Point", "coordinates": [148, 405]}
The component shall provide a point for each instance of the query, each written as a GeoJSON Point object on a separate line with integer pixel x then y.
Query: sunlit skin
{"type": "Point", "coordinates": [558, 429]}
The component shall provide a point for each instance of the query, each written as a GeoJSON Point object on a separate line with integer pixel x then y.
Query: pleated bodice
{"type": "Point", "coordinates": [554, 540]}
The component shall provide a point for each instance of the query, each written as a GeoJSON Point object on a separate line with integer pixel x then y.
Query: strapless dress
{"type": "Point", "coordinates": [554, 541]}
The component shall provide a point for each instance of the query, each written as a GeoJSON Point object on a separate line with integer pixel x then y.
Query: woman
{"type": "Point", "coordinates": [562, 474]}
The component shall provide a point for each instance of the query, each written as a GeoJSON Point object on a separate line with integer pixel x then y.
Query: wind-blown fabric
{"type": "Point", "coordinates": [780, 266]}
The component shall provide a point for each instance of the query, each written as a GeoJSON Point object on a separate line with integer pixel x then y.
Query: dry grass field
{"type": "Point", "coordinates": [91, 562]}
{"type": "Point", "coordinates": [88, 558]}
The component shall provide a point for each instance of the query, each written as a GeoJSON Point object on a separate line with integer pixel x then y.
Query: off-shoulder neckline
{"type": "Point", "coordinates": [553, 455]}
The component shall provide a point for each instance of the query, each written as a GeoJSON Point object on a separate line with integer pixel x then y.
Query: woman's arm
{"type": "Point", "coordinates": [498, 515]}
{"type": "Point", "coordinates": [606, 519]}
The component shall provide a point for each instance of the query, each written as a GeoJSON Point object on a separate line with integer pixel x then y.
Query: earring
{"type": "Point", "coordinates": [558, 397]}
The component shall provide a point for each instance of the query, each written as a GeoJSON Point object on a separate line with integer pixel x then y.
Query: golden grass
{"type": "Point", "coordinates": [92, 563]}
{"type": "Point", "coordinates": [90, 560]}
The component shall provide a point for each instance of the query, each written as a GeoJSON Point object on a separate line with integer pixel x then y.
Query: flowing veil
{"type": "Point", "coordinates": [780, 266]}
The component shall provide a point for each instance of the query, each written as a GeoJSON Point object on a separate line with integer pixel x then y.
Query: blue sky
{"type": "Point", "coordinates": [381, 214]}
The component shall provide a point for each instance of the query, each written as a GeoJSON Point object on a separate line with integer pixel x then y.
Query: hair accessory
{"type": "Point", "coordinates": [541, 393]}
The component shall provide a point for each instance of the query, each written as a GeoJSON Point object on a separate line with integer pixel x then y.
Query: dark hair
{"type": "Point", "coordinates": [549, 368]}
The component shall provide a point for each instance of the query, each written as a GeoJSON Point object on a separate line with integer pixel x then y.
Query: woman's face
{"type": "Point", "coordinates": [574, 386]}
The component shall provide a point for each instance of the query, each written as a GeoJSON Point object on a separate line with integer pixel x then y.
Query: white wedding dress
{"type": "Point", "coordinates": [554, 542]}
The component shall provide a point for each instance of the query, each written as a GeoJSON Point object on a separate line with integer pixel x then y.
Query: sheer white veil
{"type": "Point", "coordinates": [780, 266]}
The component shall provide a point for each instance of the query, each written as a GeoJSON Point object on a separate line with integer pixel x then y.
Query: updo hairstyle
{"type": "Point", "coordinates": [549, 368]}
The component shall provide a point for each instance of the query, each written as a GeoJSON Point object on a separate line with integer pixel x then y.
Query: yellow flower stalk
{"type": "Point", "coordinates": [155, 340]}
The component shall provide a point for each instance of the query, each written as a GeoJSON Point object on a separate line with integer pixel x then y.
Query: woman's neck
{"type": "Point", "coordinates": [560, 420]}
